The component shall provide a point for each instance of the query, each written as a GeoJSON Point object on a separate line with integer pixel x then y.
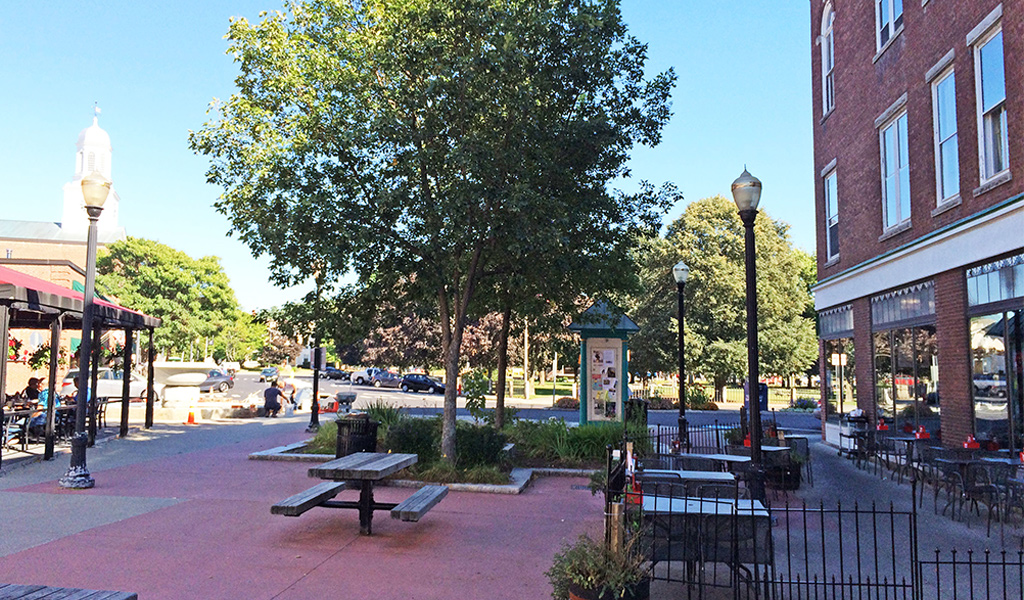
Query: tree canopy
{"type": "Point", "coordinates": [418, 140]}
{"type": "Point", "coordinates": [193, 297]}
{"type": "Point", "coordinates": [709, 238]}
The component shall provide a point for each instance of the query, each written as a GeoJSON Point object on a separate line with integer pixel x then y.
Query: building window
{"type": "Point", "coordinates": [997, 382]}
{"type": "Point", "coordinates": [831, 217]}
{"type": "Point", "coordinates": [991, 89]}
{"type": "Point", "coordinates": [947, 164]}
{"type": "Point", "coordinates": [895, 172]}
{"type": "Point", "coordinates": [889, 20]}
{"type": "Point", "coordinates": [906, 365]}
{"type": "Point", "coordinates": [828, 62]}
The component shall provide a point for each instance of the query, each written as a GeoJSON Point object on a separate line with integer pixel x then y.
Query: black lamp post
{"type": "Point", "coordinates": [681, 273]}
{"type": "Point", "coordinates": [746, 191]}
{"type": "Point", "coordinates": [95, 188]}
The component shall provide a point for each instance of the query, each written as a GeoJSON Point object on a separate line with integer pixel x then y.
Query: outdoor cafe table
{"type": "Point", "coordinates": [728, 459]}
{"type": "Point", "coordinates": [365, 468]}
{"type": "Point", "coordinates": [706, 529]}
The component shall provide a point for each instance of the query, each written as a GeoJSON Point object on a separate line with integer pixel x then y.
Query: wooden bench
{"type": "Point", "coordinates": [414, 507]}
{"type": "Point", "coordinates": [13, 591]}
{"type": "Point", "coordinates": [314, 496]}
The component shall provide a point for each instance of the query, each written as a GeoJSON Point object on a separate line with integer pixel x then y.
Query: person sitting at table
{"type": "Point", "coordinates": [37, 425]}
{"type": "Point", "coordinates": [272, 397]}
{"type": "Point", "coordinates": [31, 393]}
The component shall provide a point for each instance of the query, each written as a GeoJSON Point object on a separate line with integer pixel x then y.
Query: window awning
{"type": "Point", "coordinates": [35, 303]}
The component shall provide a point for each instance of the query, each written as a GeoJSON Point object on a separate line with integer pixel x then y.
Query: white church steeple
{"type": "Point", "coordinates": [94, 154]}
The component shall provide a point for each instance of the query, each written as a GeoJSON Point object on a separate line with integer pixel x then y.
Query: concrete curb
{"type": "Point", "coordinates": [520, 477]}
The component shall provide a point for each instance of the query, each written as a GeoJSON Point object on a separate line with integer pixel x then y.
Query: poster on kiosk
{"type": "Point", "coordinates": [604, 376]}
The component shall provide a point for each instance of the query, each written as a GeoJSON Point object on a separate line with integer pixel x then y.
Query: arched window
{"type": "Point", "coordinates": [828, 60]}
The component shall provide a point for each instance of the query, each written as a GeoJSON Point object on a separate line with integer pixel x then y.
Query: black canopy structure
{"type": "Point", "coordinates": [28, 302]}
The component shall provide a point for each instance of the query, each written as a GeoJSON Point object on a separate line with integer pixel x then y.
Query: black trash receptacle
{"type": "Point", "coordinates": [356, 434]}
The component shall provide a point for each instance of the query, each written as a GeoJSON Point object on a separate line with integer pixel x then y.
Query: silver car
{"type": "Point", "coordinates": [109, 384]}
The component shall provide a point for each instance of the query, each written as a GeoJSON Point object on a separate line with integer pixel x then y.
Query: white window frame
{"type": "Point", "coordinates": [830, 219]}
{"type": "Point", "coordinates": [890, 26]}
{"type": "Point", "coordinates": [828, 60]}
{"type": "Point", "coordinates": [985, 175]}
{"type": "Point", "coordinates": [943, 196]}
{"type": "Point", "coordinates": [900, 144]}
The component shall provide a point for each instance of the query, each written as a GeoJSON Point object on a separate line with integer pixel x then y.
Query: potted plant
{"type": "Point", "coordinates": [590, 570]}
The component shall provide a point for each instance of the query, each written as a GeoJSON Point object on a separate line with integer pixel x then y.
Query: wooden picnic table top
{"type": "Point", "coordinates": [368, 466]}
{"type": "Point", "coordinates": [11, 591]}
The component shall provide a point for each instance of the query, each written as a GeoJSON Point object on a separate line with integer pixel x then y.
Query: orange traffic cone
{"type": "Point", "coordinates": [191, 416]}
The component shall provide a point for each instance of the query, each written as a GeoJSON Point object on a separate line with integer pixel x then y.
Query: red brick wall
{"type": "Point", "coordinates": [954, 356]}
{"type": "Point", "coordinates": [864, 89]}
{"type": "Point", "coordinates": [864, 351]}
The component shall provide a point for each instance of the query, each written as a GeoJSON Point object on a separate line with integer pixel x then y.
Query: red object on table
{"type": "Point", "coordinates": [921, 433]}
{"type": "Point", "coordinates": [746, 441]}
{"type": "Point", "coordinates": [971, 443]}
{"type": "Point", "coordinates": [882, 426]}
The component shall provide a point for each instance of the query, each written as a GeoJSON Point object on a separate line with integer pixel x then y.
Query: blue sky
{"type": "Point", "coordinates": [743, 97]}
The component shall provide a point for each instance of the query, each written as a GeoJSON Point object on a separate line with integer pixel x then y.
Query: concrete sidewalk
{"type": "Point", "coordinates": [180, 512]}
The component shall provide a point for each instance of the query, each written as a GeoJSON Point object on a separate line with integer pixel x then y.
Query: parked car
{"type": "Point", "coordinates": [217, 380]}
{"type": "Point", "coordinates": [416, 382]}
{"type": "Point", "coordinates": [364, 376]}
{"type": "Point", "coordinates": [109, 384]}
{"type": "Point", "coordinates": [332, 373]}
{"type": "Point", "coordinates": [385, 379]}
{"type": "Point", "coordinates": [269, 375]}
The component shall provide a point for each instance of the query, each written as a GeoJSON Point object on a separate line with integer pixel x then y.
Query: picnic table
{"type": "Point", "coordinates": [11, 591]}
{"type": "Point", "coordinates": [362, 470]}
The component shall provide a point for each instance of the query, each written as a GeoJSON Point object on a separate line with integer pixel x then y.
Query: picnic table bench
{"type": "Point", "coordinates": [360, 471]}
{"type": "Point", "coordinates": [11, 591]}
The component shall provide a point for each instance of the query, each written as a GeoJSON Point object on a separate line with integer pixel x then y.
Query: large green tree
{"type": "Point", "coordinates": [708, 237]}
{"type": "Point", "coordinates": [193, 297]}
{"type": "Point", "coordinates": [406, 138]}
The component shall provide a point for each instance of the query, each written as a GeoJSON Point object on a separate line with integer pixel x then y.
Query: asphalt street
{"type": "Point", "coordinates": [538, 408]}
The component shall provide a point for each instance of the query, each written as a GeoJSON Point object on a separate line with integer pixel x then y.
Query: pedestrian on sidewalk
{"type": "Point", "coordinates": [272, 398]}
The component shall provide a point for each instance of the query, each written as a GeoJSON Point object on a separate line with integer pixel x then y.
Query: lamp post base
{"type": "Point", "coordinates": [684, 435]}
{"type": "Point", "coordinates": [77, 478]}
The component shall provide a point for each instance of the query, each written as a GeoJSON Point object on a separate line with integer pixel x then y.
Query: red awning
{"type": "Point", "coordinates": [26, 293]}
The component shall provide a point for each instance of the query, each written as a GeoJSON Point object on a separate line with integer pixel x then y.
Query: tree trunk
{"type": "Point", "coordinates": [499, 406]}
{"type": "Point", "coordinates": [526, 360]}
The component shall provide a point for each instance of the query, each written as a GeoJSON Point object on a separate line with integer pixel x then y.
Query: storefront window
{"type": "Point", "coordinates": [996, 373]}
{"type": "Point", "coordinates": [840, 367]}
{"type": "Point", "coordinates": [907, 377]}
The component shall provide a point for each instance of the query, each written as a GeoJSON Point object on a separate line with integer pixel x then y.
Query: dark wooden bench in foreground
{"type": "Point", "coordinates": [360, 471]}
{"type": "Point", "coordinates": [414, 507]}
{"type": "Point", "coordinates": [314, 496]}
{"type": "Point", "coordinates": [11, 591]}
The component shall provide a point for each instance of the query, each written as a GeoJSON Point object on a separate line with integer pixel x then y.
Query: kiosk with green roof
{"type": "Point", "coordinates": [604, 361]}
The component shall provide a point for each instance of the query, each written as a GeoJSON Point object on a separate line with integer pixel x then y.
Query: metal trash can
{"type": "Point", "coordinates": [356, 434]}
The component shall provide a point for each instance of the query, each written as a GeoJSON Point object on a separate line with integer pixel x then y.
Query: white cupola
{"type": "Point", "coordinates": [94, 154]}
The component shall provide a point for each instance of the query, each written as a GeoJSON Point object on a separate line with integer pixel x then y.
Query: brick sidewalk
{"type": "Point", "coordinates": [185, 514]}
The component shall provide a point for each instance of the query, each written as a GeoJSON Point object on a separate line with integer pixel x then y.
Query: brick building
{"type": "Point", "coordinates": [919, 197]}
{"type": "Point", "coordinates": [55, 251]}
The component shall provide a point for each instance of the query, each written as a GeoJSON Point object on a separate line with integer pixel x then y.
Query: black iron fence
{"type": "Point", "coordinates": [710, 540]}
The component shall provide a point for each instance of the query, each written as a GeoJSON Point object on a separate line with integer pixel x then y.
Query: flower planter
{"type": "Point", "coordinates": [638, 591]}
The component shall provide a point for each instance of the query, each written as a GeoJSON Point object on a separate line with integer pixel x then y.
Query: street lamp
{"type": "Point", "coordinates": [95, 188]}
{"type": "Point", "coordinates": [681, 273]}
{"type": "Point", "coordinates": [746, 192]}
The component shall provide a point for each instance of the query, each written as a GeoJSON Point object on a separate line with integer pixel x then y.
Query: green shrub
{"type": "Point", "coordinates": [658, 402]}
{"type": "Point", "coordinates": [804, 403]}
{"type": "Point", "coordinates": [697, 396]}
{"type": "Point", "coordinates": [477, 445]}
{"type": "Point", "coordinates": [920, 410]}
{"type": "Point", "coordinates": [385, 414]}
{"type": "Point", "coordinates": [325, 441]}
{"type": "Point", "coordinates": [567, 402]}
{"type": "Point", "coordinates": [416, 436]}
{"type": "Point", "coordinates": [475, 386]}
